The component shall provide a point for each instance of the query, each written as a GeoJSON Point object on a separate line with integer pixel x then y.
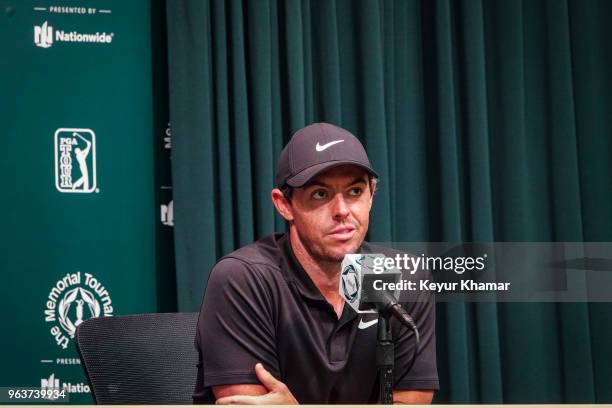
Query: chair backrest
{"type": "Point", "coordinates": [140, 359]}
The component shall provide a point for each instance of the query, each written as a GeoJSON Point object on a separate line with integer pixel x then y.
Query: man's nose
{"type": "Point", "coordinates": [340, 208]}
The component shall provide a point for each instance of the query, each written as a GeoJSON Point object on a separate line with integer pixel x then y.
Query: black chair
{"type": "Point", "coordinates": [140, 359]}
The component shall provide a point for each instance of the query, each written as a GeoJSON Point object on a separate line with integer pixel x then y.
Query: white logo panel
{"type": "Point", "coordinates": [75, 160]}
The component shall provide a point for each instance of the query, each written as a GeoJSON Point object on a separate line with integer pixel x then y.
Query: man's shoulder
{"type": "Point", "coordinates": [253, 266]}
{"type": "Point", "coordinates": [265, 253]}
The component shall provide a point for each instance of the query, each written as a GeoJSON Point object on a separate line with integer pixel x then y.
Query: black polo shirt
{"type": "Point", "coordinates": [261, 306]}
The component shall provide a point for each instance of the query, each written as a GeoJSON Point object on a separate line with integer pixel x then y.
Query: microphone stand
{"type": "Point", "coordinates": [385, 358]}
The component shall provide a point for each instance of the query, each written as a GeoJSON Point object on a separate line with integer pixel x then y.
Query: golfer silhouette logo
{"type": "Point", "coordinates": [81, 156]}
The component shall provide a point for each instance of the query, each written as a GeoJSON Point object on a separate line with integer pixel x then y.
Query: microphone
{"type": "Point", "coordinates": [366, 289]}
{"type": "Point", "coordinates": [370, 289]}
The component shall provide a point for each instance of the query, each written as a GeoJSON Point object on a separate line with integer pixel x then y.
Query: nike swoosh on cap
{"type": "Point", "coordinates": [365, 325]}
{"type": "Point", "coordinates": [320, 148]}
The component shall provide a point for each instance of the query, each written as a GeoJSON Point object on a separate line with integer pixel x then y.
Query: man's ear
{"type": "Point", "coordinates": [282, 205]}
{"type": "Point", "coordinates": [373, 184]}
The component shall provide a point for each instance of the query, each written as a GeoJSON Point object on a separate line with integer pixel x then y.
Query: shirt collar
{"type": "Point", "coordinates": [296, 275]}
{"type": "Point", "coordinates": [294, 272]}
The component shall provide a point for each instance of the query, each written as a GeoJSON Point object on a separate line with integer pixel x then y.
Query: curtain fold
{"type": "Point", "coordinates": [487, 121]}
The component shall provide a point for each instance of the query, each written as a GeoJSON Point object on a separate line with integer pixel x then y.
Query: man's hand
{"type": "Point", "coordinates": [278, 393]}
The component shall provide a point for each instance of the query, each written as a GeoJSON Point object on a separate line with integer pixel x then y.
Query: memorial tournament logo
{"type": "Point", "coordinates": [43, 35]}
{"type": "Point", "coordinates": [350, 282]}
{"type": "Point", "coordinates": [73, 300]}
{"type": "Point", "coordinates": [75, 160]}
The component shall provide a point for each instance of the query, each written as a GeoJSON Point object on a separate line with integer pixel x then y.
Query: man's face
{"type": "Point", "coordinates": [331, 213]}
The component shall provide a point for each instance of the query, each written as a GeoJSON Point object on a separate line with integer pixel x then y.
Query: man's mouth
{"type": "Point", "coordinates": [343, 233]}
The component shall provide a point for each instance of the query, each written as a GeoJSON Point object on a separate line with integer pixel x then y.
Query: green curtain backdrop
{"type": "Point", "coordinates": [487, 121]}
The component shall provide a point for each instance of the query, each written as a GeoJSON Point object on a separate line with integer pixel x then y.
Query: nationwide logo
{"type": "Point", "coordinates": [73, 300]}
{"type": "Point", "coordinates": [50, 383]}
{"type": "Point", "coordinates": [167, 214]}
{"type": "Point", "coordinates": [53, 383]}
{"type": "Point", "coordinates": [45, 36]}
{"type": "Point", "coordinates": [75, 160]}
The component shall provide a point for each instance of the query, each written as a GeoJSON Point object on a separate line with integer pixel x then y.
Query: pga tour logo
{"type": "Point", "coordinates": [75, 160]}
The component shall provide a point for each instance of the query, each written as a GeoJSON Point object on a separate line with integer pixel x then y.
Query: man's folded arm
{"type": "Point", "coordinates": [271, 391]}
{"type": "Point", "coordinates": [399, 396]}
{"type": "Point", "coordinates": [229, 390]}
{"type": "Point", "coordinates": [412, 396]}
{"type": "Point", "coordinates": [235, 329]}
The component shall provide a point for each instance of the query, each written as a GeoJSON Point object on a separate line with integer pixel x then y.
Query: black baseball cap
{"type": "Point", "coordinates": [316, 148]}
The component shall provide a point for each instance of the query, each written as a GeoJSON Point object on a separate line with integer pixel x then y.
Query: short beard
{"type": "Point", "coordinates": [326, 257]}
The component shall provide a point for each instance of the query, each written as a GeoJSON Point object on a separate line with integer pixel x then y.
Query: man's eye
{"type": "Point", "coordinates": [356, 191]}
{"type": "Point", "coordinates": [319, 195]}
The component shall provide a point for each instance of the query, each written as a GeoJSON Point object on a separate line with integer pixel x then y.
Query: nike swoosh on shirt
{"type": "Point", "coordinates": [320, 148]}
{"type": "Point", "coordinates": [365, 325]}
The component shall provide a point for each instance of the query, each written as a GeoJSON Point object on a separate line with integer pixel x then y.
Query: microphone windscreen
{"type": "Point", "coordinates": [363, 281]}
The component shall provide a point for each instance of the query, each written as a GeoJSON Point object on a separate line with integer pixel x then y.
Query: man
{"type": "Point", "coordinates": [273, 327]}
